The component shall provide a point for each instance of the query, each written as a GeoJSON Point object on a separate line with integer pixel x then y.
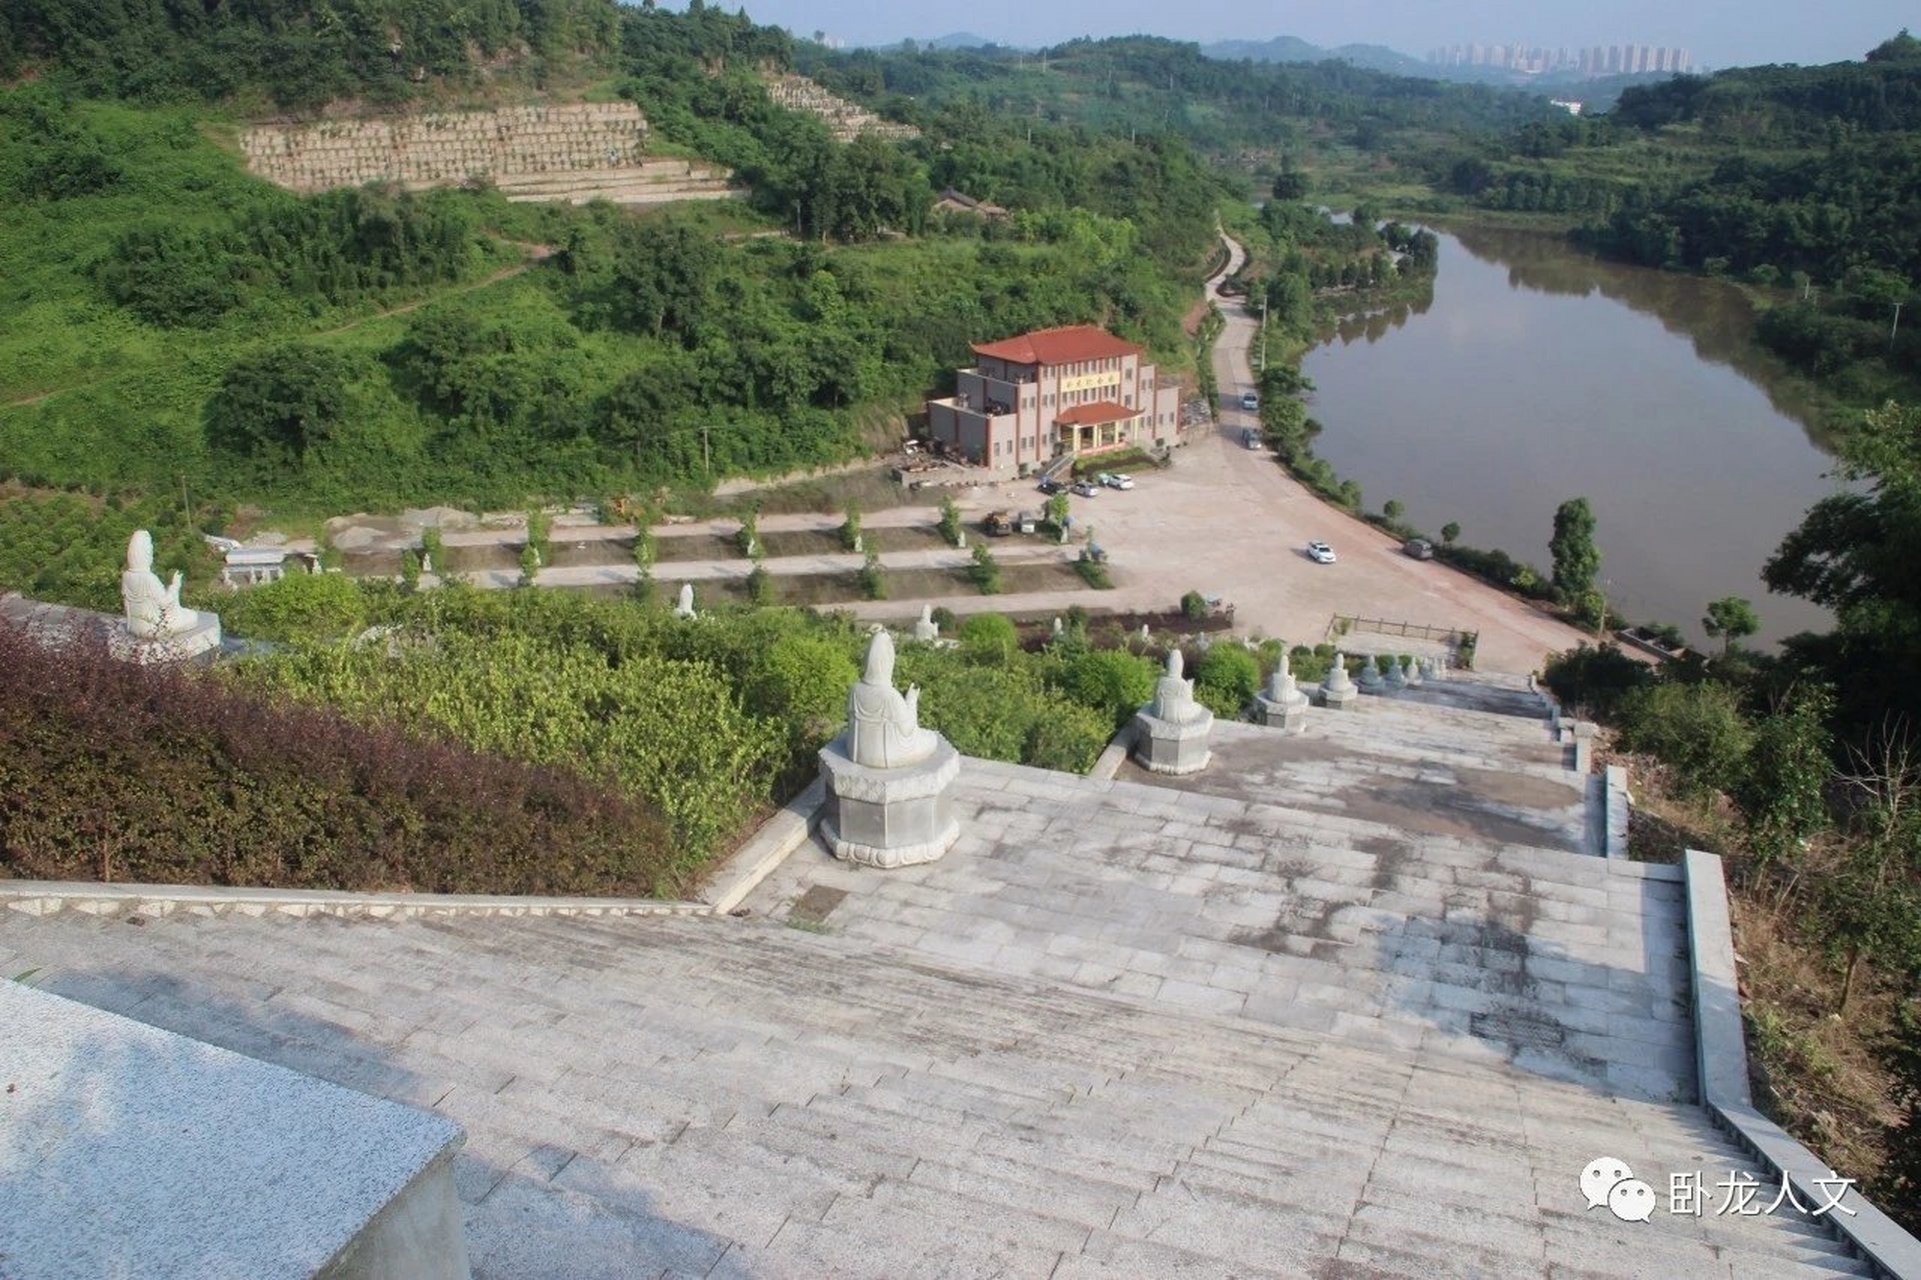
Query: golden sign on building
{"type": "Point", "coordinates": [1089, 381]}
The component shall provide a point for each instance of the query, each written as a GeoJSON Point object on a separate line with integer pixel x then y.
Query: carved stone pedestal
{"type": "Point", "coordinates": [1288, 714]}
{"type": "Point", "coordinates": [889, 817]}
{"type": "Point", "coordinates": [1164, 746]}
{"type": "Point", "coordinates": [178, 646]}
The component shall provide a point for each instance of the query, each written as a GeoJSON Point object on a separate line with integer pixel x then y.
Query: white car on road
{"type": "Point", "coordinates": [1320, 553]}
{"type": "Point", "coordinates": [1118, 480]}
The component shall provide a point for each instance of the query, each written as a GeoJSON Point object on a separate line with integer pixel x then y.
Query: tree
{"type": "Point", "coordinates": [986, 571]}
{"type": "Point", "coordinates": [873, 581]}
{"type": "Point", "coordinates": [950, 521]}
{"type": "Point", "coordinates": [1194, 606]}
{"type": "Point", "coordinates": [1855, 553]}
{"type": "Point", "coordinates": [1576, 559]}
{"type": "Point", "coordinates": [663, 275]}
{"type": "Point", "coordinates": [278, 405]}
{"type": "Point", "coordinates": [1392, 510]}
{"type": "Point", "coordinates": [850, 537]}
{"type": "Point", "coordinates": [529, 565]}
{"type": "Point", "coordinates": [1780, 793]}
{"type": "Point", "coordinates": [1290, 184]}
{"type": "Point", "coordinates": [1729, 619]}
{"type": "Point", "coordinates": [1449, 532]}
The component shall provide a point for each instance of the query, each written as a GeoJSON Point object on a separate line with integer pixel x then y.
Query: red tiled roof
{"type": "Point", "coordinates": [1058, 346]}
{"type": "Point", "coordinates": [1082, 415]}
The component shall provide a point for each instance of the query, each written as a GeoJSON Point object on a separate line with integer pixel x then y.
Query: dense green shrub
{"type": "Point", "coordinates": [673, 732]}
{"type": "Point", "coordinates": [1194, 606]}
{"type": "Point", "coordinates": [117, 772]}
{"type": "Point", "coordinates": [1113, 681]}
{"type": "Point", "coordinates": [989, 637]}
{"type": "Point", "coordinates": [1596, 679]}
{"type": "Point", "coordinates": [1698, 729]}
{"type": "Point", "coordinates": [1226, 679]}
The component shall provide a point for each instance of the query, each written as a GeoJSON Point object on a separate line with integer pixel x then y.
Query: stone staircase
{"type": "Point", "coordinates": [649, 181]}
{"type": "Point", "coordinates": [1454, 943]}
{"type": "Point", "coordinates": [716, 1097]}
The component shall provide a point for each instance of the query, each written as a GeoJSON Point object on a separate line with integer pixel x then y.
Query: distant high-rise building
{"type": "Point", "coordinates": [1594, 60]}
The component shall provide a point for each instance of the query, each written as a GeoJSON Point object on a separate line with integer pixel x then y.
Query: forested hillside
{"type": "Point", "coordinates": [1805, 180]}
{"type": "Point", "coordinates": [300, 53]}
{"type": "Point", "coordinates": [172, 324]}
{"type": "Point", "coordinates": [1140, 83]}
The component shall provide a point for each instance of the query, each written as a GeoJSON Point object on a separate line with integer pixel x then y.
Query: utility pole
{"type": "Point", "coordinates": [1895, 327]}
{"type": "Point", "coordinates": [706, 457]}
{"type": "Point", "coordinates": [186, 507]}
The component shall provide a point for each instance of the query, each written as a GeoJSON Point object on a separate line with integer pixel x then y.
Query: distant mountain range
{"type": "Point", "coordinates": [1375, 57]}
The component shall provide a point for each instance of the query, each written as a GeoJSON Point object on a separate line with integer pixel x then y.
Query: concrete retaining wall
{"type": "Point", "coordinates": [1722, 1062]}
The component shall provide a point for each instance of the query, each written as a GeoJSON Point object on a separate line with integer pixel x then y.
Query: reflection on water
{"type": "Point", "coordinates": [1536, 374]}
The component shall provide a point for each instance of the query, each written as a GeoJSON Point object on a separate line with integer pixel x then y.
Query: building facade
{"type": "Point", "coordinates": [1076, 390]}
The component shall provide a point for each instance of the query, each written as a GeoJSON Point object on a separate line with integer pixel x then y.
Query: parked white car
{"type": "Point", "coordinates": [1117, 480]}
{"type": "Point", "coordinates": [1320, 553]}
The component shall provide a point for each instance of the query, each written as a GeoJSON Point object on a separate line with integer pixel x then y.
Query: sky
{"type": "Point", "coordinates": [1718, 33]}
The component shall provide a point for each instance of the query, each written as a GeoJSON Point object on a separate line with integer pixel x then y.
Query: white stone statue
{"type": "Point", "coordinates": [883, 726]}
{"type": "Point", "coordinates": [1280, 685]}
{"type": "Point", "coordinates": [153, 611]}
{"type": "Point", "coordinates": [1174, 696]}
{"type": "Point", "coordinates": [926, 630]}
{"type": "Point", "coordinates": [1338, 681]}
{"type": "Point", "coordinates": [684, 608]}
{"type": "Point", "coordinates": [1057, 627]}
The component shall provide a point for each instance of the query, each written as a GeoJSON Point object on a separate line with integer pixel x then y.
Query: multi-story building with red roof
{"type": "Point", "coordinates": [1074, 390]}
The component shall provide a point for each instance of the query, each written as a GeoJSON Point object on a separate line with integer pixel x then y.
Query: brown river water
{"type": "Point", "coordinates": [1538, 373]}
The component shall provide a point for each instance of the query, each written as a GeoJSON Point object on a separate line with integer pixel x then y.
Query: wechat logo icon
{"type": "Point", "coordinates": [1607, 1181]}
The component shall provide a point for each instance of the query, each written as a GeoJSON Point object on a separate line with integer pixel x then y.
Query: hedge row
{"type": "Point", "coordinates": [114, 772]}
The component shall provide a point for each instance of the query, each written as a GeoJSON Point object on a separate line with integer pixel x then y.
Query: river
{"type": "Point", "coordinates": [1537, 374]}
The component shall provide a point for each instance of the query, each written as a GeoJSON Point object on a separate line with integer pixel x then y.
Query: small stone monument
{"type": "Point", "coordinates": [1396, 675]}
{"type": "Point", "coordinates": [1282, 705]}
{"type": "Point", "coordinates": [926, 630]}
{"type": "Point", "coordinates": [1431, 669]}
{"type": "Point", "coordinates": [1144, 633]}
{"type": "Point", "coordinates": [1337, 691]}
{"type": "Point", "coordinates": [887, 778]}
{"type": "Point", "coordinates": [1370, 681]}
{"type": "Point", "coordinates": [1170, 733]}
{"type": "Point", "coordinates": [684, 607]}
{"type": "Point", "coordinates": [156, 627]}
{"type": "Point", "coordinates": [1057, 628]}
{"type": "Point", "coordinates": [1411, 674]}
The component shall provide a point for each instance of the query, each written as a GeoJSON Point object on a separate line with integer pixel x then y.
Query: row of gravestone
{"type": "Point", "coordinates": [446, 148]}
{"type": "Point", "coordinates": [847, 120]}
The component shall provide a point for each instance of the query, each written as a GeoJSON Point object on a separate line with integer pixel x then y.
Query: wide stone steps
{"type": "Point", "coordinates": [652, 182]}
{"type": "Point", "coordinates": [1492, 693]}
{"type": "Point", "coordinates": [717, 1097]}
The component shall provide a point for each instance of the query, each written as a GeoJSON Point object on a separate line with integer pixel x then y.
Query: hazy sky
{"type": "Point", "coordinates": [1718, 32]}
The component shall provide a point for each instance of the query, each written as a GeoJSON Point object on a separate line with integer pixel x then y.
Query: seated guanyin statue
{"type": "Point", "coordinates": [153, 609]}
{"type": "Point", "coordinates": [883, 725]}
{"type": "Point", "coordinates": [1174, 696]}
